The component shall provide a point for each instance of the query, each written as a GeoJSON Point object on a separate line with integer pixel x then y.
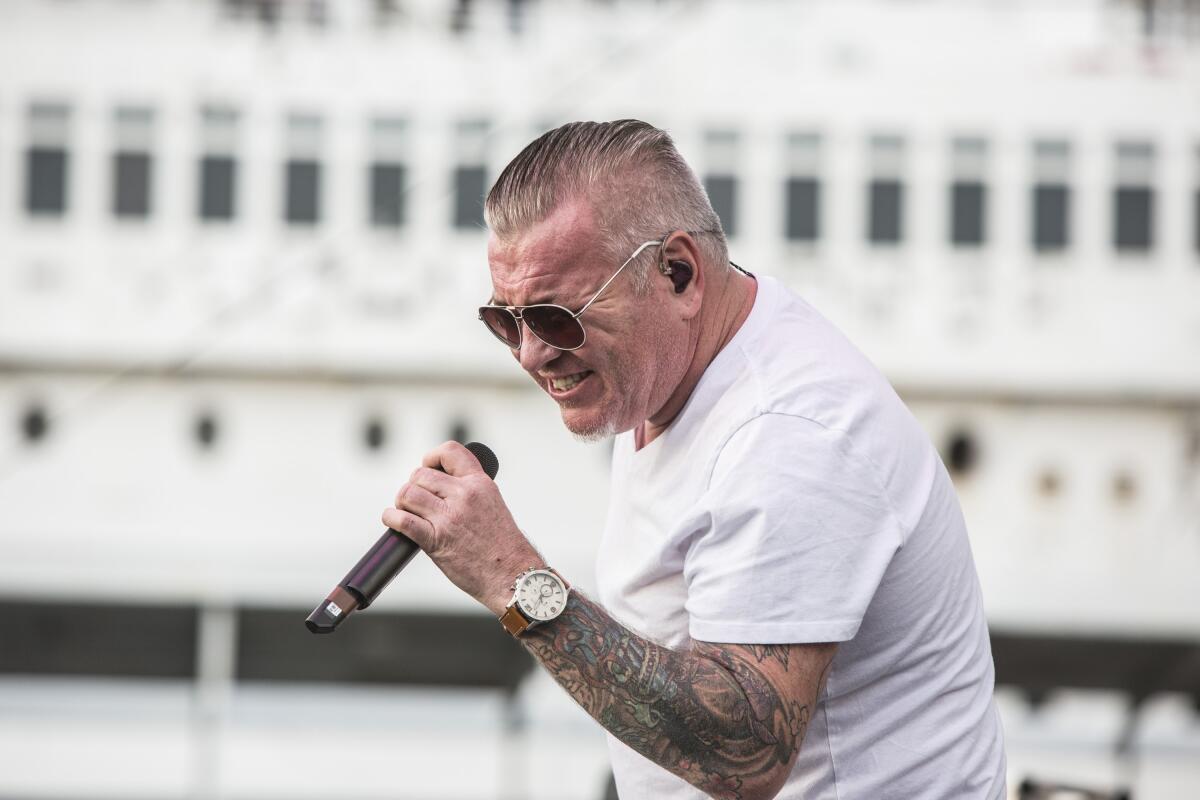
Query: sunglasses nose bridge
{"type": "Point", "coordinates": [518, 314]}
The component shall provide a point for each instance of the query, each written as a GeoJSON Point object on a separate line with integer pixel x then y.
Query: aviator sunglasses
{"type": "Point", "coordinates": [555, 325]}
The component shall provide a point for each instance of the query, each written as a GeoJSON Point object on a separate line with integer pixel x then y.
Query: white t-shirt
{"type": "Point", "coordinates": [795, 499]}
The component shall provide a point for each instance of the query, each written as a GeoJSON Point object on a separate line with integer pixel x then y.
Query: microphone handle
{"type": "Point", "coordinates": [375, 570]}
{"type": "Point", "coordinates": [362, 584]}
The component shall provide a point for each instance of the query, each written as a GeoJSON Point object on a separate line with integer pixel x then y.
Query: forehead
{"type": "Point", "coordinates": [548, 261]}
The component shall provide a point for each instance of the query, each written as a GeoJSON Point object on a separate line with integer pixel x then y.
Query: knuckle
{"type": "Point", "coordinates": [478, 487]}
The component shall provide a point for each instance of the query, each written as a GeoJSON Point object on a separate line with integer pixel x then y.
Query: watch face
{"type": "Point", "coordinates": [541, 595]}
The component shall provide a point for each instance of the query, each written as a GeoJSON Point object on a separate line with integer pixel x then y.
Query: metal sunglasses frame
{"type": "Point", "coordinates": [518, 312]}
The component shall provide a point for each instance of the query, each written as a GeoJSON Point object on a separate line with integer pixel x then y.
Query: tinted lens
{"type": "Point", "coordinates": [503, 324]}
{"type": "Point", "coordinates": [554, 325]}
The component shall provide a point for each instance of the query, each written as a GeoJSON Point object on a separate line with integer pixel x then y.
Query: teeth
{"type": "Point", "coordinates": [562, 384]}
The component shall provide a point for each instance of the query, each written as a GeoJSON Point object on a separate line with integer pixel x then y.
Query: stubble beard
{"type": "Point", "coordinates": [608, 423]}
{"type": "Point", "coordinates": [594, 430]}
{"type": "Point", "coordinates": [594, 433]}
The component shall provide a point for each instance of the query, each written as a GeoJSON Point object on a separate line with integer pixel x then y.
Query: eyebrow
{"type": "Point", "coordinates": [540, 300]}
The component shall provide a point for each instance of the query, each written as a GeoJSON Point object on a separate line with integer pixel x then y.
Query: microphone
{"type": "Point", "coordinates": [381, 563]}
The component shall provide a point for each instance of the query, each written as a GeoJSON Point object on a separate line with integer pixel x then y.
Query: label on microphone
{"type": "Point", "coordinates": [333, 610]}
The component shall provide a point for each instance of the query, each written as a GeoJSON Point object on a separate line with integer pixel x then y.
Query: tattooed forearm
{"type": "Point", "coordinates": [709, 715]}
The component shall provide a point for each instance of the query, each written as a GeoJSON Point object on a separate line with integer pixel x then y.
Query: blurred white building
{"type": "Point", "coordinates": [240, 251]}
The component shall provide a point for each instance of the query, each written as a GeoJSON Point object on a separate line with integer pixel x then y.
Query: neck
{"type": "Point", "coordinates": [720, 318]}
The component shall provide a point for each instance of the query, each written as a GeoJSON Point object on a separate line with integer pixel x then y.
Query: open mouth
{"type": "Point", "coordinates": [566, 384]}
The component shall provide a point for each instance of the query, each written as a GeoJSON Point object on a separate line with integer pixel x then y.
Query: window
{"type": "Point", "coordinates": [1051, 214]}
{"type": "Point", "coordinates": [302, 171]}
{"type": "Point", "coordinates": [1133, 197]}
{"type": "Point", "coordinates": [46, 160]}
{"type": "Point", "coordinates": [802, 189]}
{"type": "Point", "coordinates": [967, 202]}
{"type": "Point", "coordinates": [386, 178]}
{"type": "Point", "coordinates": [1134, 211]}
{"type": "Point", "coordinates": [968, 193]}
{"type": "Point", "coordinates": [74, 638]}
{"type": "Point", "coordinates": [218, 186]}
{"type": "Point", "coordinates": [131, 184]}
{"type": "Point", "coordinates": [387, 195]}
{"type": "Point", "coordinates": [886, 211]}
{"type": "Point", "coordinates": [722, 193]}
{"type": "Point", "coordinates": [470, 175]}
{"type": "Point", "coordinates": [1196, 220]}
{"type": "Point", "coordinates": [303, 177]}
{"type": "Point", "coordinates": [132, 164]}
{"type": "Point", "coordinates": [1051, 198]}
{"type": "Point", "coordinates": [379, 648]}
{"type": "Point", "coordinates": [217, 200]}
{"type": "Point", "coordinates": [1196, 202]}
{"type": "Point", "coordinates": [470, 186]}
{"type": "Point", "coordinates": [803, 209]}
{"type": "Point", "coordinates": [885, 191]}
{"type": "Point", "coordinates": [720, 179]}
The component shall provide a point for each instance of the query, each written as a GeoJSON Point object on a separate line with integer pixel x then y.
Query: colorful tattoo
{"type": "Point", "coordinates": [708, 715]}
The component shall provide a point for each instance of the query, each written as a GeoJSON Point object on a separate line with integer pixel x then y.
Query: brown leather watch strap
{"type": "Point", "coordinates": [514, 621]}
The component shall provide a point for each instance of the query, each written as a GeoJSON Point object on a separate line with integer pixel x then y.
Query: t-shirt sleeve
{"type": "Point", "coordinates": [797, 536]}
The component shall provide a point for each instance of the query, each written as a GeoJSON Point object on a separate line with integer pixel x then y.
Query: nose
{"type": "Point", "coordinates": [534, 353]}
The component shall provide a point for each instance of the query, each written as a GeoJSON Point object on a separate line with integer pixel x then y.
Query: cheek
{"type": "Point", "coordinates": [635, 356]}
{"type": "Point", "coordinates": [651, 361]}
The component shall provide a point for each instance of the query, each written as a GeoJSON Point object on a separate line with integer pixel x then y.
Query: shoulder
{"type": "Point", "coordinates": [775, 447]}
{"type": "Point", "coordinates": [799, 363]}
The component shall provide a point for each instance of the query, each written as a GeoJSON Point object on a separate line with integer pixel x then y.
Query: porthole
{"type": "Point", "coordinates": [374, 434]}
{"type": "Point", "coordinates": [962, 453]}
{"type": "Point", "coordinates": [35, 424]}
{"type": "Point", "coordinates": [206, 431]}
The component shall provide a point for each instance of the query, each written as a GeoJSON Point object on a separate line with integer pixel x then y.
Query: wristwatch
{"type": "Point", "coordinates": [539, 595]}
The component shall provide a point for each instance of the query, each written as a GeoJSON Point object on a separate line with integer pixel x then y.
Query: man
{"type": "Point", "coordinates": [784, 561]}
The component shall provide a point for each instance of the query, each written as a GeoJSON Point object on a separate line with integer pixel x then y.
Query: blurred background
{"type": "Point", "coordinates": [241, 245]}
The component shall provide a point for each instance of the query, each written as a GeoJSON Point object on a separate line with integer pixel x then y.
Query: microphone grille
{"type": "Point", "coordinates": [487, 459]}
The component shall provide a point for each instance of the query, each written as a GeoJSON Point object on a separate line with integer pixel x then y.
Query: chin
{"type": "Point", "coordinates": [591, 437]}
{"type": "Point", "coordinates": [590, 430]}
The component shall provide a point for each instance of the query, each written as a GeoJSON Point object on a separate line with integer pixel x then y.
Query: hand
{"type": "Point", "coordinates": [454, 512]}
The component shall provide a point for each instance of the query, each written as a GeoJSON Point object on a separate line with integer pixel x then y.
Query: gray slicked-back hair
{"type": "Point", "coordinates": [637, 183]}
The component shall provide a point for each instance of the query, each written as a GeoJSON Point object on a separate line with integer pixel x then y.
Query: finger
{"type": "Point", "coordinates": [432, 480]}
{"type": "Point", "coordinates": [419, 501]}
{"type": "Point", "coordinates": [412, 526]}
{"type": "Point", "coordinates": [454, 459]}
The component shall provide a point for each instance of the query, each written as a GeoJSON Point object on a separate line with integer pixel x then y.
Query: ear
{"type": "Point", "coordinates": [680, 256]}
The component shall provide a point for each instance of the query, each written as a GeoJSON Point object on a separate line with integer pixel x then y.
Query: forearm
{"type": "Point", "coordinates": [707, 715]}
